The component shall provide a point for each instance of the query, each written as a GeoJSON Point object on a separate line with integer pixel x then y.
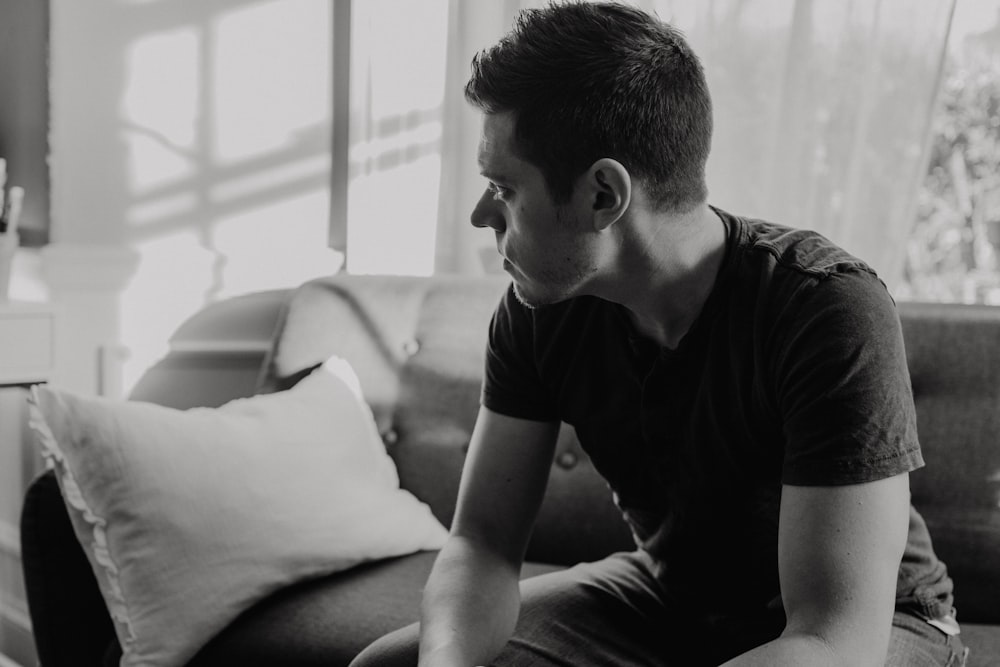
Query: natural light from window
{"type": "Point", "coordinates": [224, 116]}
{"type": "Point", "coordinates": [398, 55]}
{"type": "Point", "coordinates": [953, 253]}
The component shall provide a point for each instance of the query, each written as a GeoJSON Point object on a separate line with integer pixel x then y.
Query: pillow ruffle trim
{"type": "Point", "coordinates": [54, 457]}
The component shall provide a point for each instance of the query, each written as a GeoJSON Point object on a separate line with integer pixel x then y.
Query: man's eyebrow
{"type": "Point", "coordinates": [493, 175]}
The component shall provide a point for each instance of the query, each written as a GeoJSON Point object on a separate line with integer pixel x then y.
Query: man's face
{"type": "Point", "coordinates": [544, 245]}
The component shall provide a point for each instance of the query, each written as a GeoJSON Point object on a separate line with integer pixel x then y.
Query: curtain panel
{"type": "Point", "coordinates": [822, 115]}
{"type": "Point", "coordinates": [822, 112]}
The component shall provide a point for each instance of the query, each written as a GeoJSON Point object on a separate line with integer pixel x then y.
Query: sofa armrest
{"type": "Point", "coordinates": [217, 354]}
{"type": "Point", "coordinates": [71, 625]}
{"type": "Point", "coordinates": [191, 379]}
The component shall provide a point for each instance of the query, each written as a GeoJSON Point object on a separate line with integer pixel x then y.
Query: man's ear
{"type": "Point", "coordinates": [607, 190]}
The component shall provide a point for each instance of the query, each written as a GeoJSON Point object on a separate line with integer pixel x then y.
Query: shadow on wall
{"type": "Point", "coordinates": [197, 133]}
{"type": "Point", "coordinates": [176, 118]}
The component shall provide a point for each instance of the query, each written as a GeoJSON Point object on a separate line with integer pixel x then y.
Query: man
{"type": "Point", "coordinates": [741, 385]}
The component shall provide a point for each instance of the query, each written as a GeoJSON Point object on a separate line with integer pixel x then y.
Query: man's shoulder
{"type": "Point", "coordinates": [799, 250]}
{"type": "Point", "coordinates": [779, 272]}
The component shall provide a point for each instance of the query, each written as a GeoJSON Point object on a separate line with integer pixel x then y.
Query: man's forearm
{"type": "Point", "coordinates": [470, 606]}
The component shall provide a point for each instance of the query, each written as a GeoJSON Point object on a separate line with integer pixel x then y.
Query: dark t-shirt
{"type": "Point", "coordinates": [793, 373]}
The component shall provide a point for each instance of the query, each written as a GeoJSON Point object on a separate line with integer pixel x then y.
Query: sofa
{"type": "Point", "coordinates": [417, 345]}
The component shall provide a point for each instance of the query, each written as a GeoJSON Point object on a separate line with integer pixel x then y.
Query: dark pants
{"type": "Point", "coordinates": [612, 613]}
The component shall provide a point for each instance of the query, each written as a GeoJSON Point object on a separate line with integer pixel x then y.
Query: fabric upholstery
{"type": "Point", "coordinates": [983, 642]}
{"type": "Point", "coordinates": [953, 353]}
{"type": "Point", "coordinates": [190, 517]}
{"type": "Point", "coordinates": [418, 346]}
{"type": "Point", "coordinates": [317, 623]}
{"type": "Point", "coordinates": [68, 617]}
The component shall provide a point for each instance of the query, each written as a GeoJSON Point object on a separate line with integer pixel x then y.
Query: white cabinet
{"type": "Point", "coordinates": [27, 335]}
{"type": "Point", "coordinates": [27, 345]}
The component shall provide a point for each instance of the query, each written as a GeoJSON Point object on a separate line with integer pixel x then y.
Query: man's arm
{"type": "Point", "coordinates": [471, 600]}
{"type": "Point", "coordinates": [839, 550]}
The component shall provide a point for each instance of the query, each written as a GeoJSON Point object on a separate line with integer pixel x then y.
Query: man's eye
{"type": "Point", "coordinates": [499, 192]}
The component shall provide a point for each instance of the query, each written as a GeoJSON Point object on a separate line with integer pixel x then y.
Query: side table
{"type": "Point", "coordinates": [27, 357]}
{"type": "Point", "coordinates": [27, 337]}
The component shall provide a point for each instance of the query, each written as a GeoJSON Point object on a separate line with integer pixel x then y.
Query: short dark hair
{"type": "Point", "coordinates": [592, 80]}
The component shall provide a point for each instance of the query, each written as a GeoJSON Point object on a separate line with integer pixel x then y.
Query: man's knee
{"type": "Point", "coordinates": [396, 649]}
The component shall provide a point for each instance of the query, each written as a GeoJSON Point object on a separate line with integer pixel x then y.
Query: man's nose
{"type": "Point", "coordinates": [487, 213]}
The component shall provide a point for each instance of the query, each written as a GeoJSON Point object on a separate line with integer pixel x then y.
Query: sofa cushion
{"type": "Point", "coordinates": [190, 517]}
{"type": "Point", "coordinates": [329, 621]}
{"type": "Point", "coordinates": [983, 642]}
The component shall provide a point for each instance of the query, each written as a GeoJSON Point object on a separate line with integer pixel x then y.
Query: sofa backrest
{"type": "Point", "coordinates": [216, 355]}
{"type": "Point", "coordinates": [953, 353]}
{"type": "Point", "coordinates": [418, 347]}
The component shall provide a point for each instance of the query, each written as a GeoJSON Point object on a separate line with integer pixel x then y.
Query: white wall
{"type": "Point", "coordinates": [190, 160]}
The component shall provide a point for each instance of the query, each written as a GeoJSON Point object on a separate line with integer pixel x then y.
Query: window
{"type": "Point", "coordinates": [953, 254]}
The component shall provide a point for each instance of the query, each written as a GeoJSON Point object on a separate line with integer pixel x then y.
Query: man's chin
{"type": "Point", "coordinates": [532, 300]}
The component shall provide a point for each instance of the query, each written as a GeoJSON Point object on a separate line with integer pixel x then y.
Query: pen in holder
{"type": "Point", "coordinates": [9, 239]}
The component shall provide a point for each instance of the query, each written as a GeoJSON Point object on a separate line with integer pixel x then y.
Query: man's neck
{"type": "Point", "coordinates": [668, 271]}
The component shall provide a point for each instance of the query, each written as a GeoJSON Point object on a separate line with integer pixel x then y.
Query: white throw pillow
{"type": "Point", "coordinates": [189, 517]}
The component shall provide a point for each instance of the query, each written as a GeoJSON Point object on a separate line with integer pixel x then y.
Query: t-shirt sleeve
{"type": "Point", "coordinates": [511, 382]}
{"type": "Point", "coordinates": [842, 384]}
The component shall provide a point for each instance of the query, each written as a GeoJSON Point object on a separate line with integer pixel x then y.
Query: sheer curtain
{"type": "Point", "coordinates": [822, 111]}
{"type": "Point", "coordinates": [399, 50]}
